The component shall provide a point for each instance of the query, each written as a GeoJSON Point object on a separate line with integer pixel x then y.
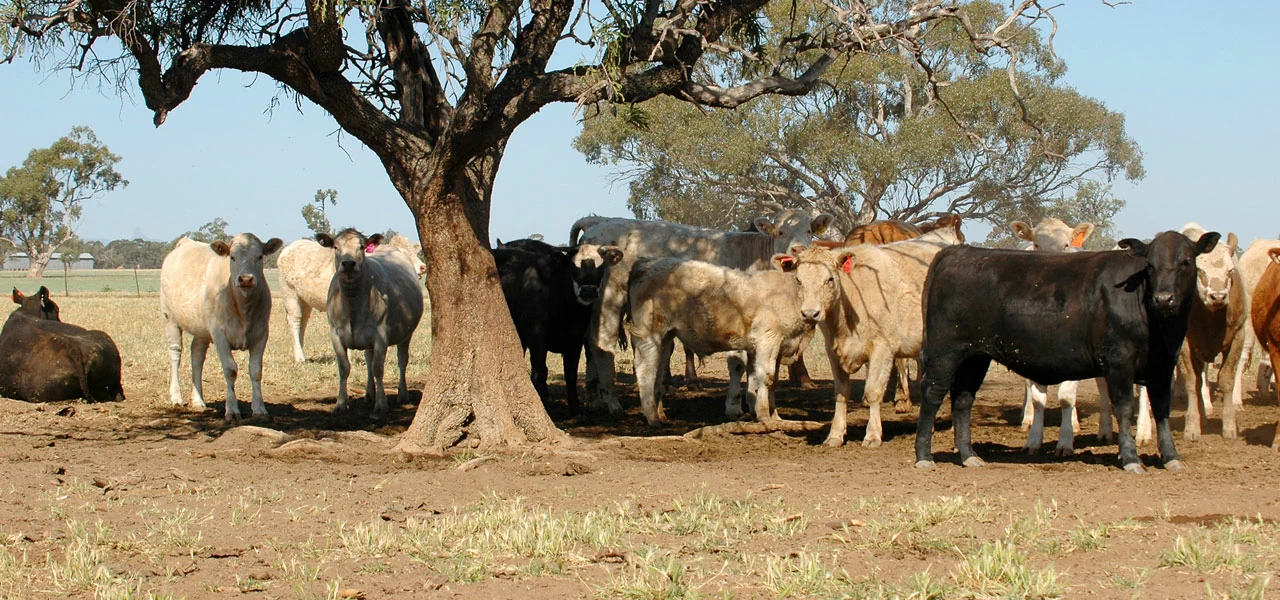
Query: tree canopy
{"type": "Point", "coordinates": [314, 212]}
{"type": "Point", "coordinates": [41, 200]}
{"type": "Point", "coordinates": [933, 128]}
{"type": "Point", "coordinates": [435, 90]}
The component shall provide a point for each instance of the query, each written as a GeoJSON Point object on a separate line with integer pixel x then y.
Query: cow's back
{"type": "Point", "coordinates": [190, 274]}
{"type": "Point", "coordinates": [885, 290]}
{"type": "Point", "coordinates": [396, 278]}
{"type": "Point", "coordinates": [306, 268]}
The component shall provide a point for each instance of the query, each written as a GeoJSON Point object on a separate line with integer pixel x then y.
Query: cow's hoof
{"type": "Point", "coordinates": [925, 464]}
{"type": "Point", "coordinates": [1026, 427]}
{"type": "Point", "coordinates": [902, 407]}
{"type": "Point", "coordinates": [1175, 466]}
{"type": "Point", "coordinates": [733, 415]}
{"type": "Point", "coordinates": [870, 443]}
{"type": "Point", "coordinates": [1228, 433]}
{"type": "Point", "coordinates": [1061, 451]}
{"type": "Point", "coordinates": [694, 386]}
{"type": "Point", "coordinates": [974, 461]}
{"type": "Point", "coordinates": [1107, 438]}
{"type": "Point", "coordinates": [808, 384]}
{"type": "Point", "coordinates": [231, 418]}
{"type": "Point", "coordinates": [1135, 468]}
{"type": "Point", "coordinates": [1031, 450]}
{"type": "Point", "coordinates": [1191, 436]}
{"type": "Point", "coordinates": [834, 442]}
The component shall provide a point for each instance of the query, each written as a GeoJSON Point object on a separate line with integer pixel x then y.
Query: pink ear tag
{"type": "Point", "coordinates": [847, 267]}
{"type": "Point", "coordinates": [369, 249]}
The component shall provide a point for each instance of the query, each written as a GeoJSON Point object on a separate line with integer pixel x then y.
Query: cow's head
{"type": "Point", "coordinates": [948, 225]}
{"type": "Point", "coordinates": [817, 270]}
{"type": "Point", "coordinates": [589, 265]}
{"type": "Point", "coordinates": [246, 252]}
{"type": "Point", "coordinates": [1215, 269]}
{"type": "Point", "coordinates": [1052, 235]}
{"type": "Point", "coordinates": [1170, 271]}
{"type": "Point", "coordinates": [411, 248]}
{"type": "Point", "coordinates": [790, 227]}
{"type": "Point", "coordinates": [39, 306]}
{"type": "Point", "coordinates": [349, 248]}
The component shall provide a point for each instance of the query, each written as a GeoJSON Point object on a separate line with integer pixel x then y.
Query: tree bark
{"type": "Point", "coordinates": [478, 392]}
{"type": "Point", "coordinates": [39, 262]}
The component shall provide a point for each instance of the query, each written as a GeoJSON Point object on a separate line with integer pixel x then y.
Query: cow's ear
{"type": "Point", "coordinates": [1273, 253]}
{"type": "Point", "coordinates": [374, 240]}
{"type": "Point", "coordinates": [17, 296]}
{"type": "Point", "coordinates": [611, 255]}
{"type": "Point", "coordinates": [273, 244]}
{"type": "Point", "coordinates": [1233, 243]}
{"type": "Point", "coordinates": [821, 223]}
{"type": "Point", "coordinates": [1023, 231]}
{"type": "Point", "coordinates": [324, 239]}
{"type": "Point", "coordinates": [1207, 242]}
{"type": "Point", "coordinates": [1080, 234]}
{"type": "Point", "coordinates": [221, 248]}
{"type": "Point", "coordinates": [43, 292]}
{"type": "Point", "coordinates": [784, 262]}
{"type": "Point", "coordinates": [765, 225]}
{"type": "Point", "coordinates": [1134, 246]}
{"type": "Point", "coordinates": [845, 259]}
{"type": "Point", "coordinates": [498, 243]}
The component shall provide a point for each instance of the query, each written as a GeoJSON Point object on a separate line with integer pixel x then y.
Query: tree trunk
{"type": "Point", "coordinates": [39, 262]}
{"type": "Point", "coordinates": [478, 392]}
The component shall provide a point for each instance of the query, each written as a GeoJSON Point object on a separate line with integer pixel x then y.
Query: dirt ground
{"type": "Point", "coordinates": [141, 500]}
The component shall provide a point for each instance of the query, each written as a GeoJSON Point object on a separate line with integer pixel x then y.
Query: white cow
{"type": "Point", "coordinates": [640, 239]}
{"type": "Point", "coordinates": [1216, 325]}
{"type": "Point", "coordinates": [375, 301]}
{"type": "Point", "coordinates": [1253, 263]}
{"type": "Point", "coordinates": [217, 294]}
{"type": "Point", "coordinates": [306, 268]}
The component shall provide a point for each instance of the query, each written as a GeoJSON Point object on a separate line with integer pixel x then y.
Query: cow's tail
{"type": "Point", "coordinates": [582, 225]}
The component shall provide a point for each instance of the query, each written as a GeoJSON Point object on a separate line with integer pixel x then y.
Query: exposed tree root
{"type": "Point", "coordinates": [755, 427]}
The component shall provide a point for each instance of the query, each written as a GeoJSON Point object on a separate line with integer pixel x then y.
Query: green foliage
{"type": "Point", "coordinates": [209, 232]}
{"type": "Point", "coordinates": [314, 212]}
{"type": "Point", "coordinates": [41, 200]}
{"type": "Point", "coordinates": [875, 140]}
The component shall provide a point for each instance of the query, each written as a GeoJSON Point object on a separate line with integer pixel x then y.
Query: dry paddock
{"type": "Point", "coordinates": [140, 500]}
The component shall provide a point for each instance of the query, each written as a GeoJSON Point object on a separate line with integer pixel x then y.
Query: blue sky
{"type": "Point", "coordinates": [1194, 80]}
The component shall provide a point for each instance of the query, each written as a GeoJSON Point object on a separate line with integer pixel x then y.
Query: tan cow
{"type": "Point", "coordinates": [217, 294]}
{"type": "Point", "coordinates": [1216, 326]}
{"type": "Point", "coordinates": [640, 239]}
{"type": "Point", "coordinates": [1253, 263]}
{"type": "Point", "coordinates": [375, 301]}
{"type": "Point", "coordinates": [306, 268]}
{"type": "Point", "coordinates": [1054, 236]}
{"type": "Point", "coordinates": [1265, 316]}
{"type": "Point", "coordinates": [867, 302]}
{"type": "Point", "coordinates": [711, 309]}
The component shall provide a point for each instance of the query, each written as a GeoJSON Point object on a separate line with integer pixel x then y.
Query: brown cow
{"type": "Point", "coordinates": [1266, 325]}
{"type": "Point", "coordinates": [43, 359]}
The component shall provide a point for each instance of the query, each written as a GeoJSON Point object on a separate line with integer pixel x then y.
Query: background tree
{"type": "Point", "coordinates": [208, 233]}
{"type": "Point", "coordinates": [128, 254]}
{"type": "Point", "coordinates": [41, 200]}
{"type": "Point", "coordinates": [436, 89]}
{"type": "Point", "coordinates": [933, 128]}
{"type": "Point", "coordinates": [68, 255]}
{"type": "Point", "coordinates": [314, 212]}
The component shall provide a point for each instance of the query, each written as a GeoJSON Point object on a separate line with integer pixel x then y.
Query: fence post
{"type": "Point", "coordinates": [136, 286]}
{"type": "Point", "coordinates": [66, 290]}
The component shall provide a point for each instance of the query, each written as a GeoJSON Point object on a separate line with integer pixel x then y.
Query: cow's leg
{"type": "Point", "coordinates": [1265, 378]}
{"type": "Point", "coordinates": [1146, 423]}
{"type": "Point", "coordinates": [798, 372]}
{"type": "Point", "coordinates": [297, 314]}
{"type": "Point", "coordinates": [370, 383]}
{"type": "Point", "coordinates": [377, 368]}
{"type": "Point", "coordinates": [199, 347]}
{"type": "Point", "coordinates": [1274, 355]}
{"type": "Point", "coordinates": [764, 365]}
{"type": "Point", "coordinates": [257, 405]}
{"type": "Point", "coordinates": [1067, 393]}
{"type": "Point", "coordinates": [1229, 386]}
{"type": "Point", "coordinates": [1160, 392]}
{"type": "Point", "coordinates": [602, 335]}
{"type": "Point", "coordinates": [1187, 380]}
{"type": "Point", "coordinates": [968, 379]}
{"type": "Point", "coordinates": [843, 385]}
{"type": "Point", "coordinates": [734, 398]}
{"type": "Point", "coordinates": [902, 398]}
{"type": "Point", "coordinates": [1037, 397]}
{"type": "Point", "coordinates": [878, 370]}
{"type": "Point", "coordinates": [1120, 388]}
{"type": "Point", "coordinates": [173, 341]}
{"type": "Point", "coordinates": [690, 370]}
{"type": "Point", "coordinates": [228, 360]}
{"type": "Point", "coordinates": [935, 380]}
{"type": "Point", "coordinates": [1206, 396]}
{"type": "Point", "coordinates": [538, 370]}
{"type": "Point", "coordinates": [402, 363]}
{"type": "Point", "coordinates": [1106, 429]}
{"type": "Point", "coordinates": [646, 354]}
{"type": "Point", "coordinates": [344, 371]}
{"type": "Point", "coordinates": [570, 361]}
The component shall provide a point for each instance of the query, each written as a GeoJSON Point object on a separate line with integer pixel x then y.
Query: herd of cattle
{"type": "Point", "coordinates": [1153, 315]}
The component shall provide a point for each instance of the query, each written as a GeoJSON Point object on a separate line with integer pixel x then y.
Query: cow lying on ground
{"type": "Point", "coordinates": [1219, 318]}
{"type": "Point", "coordinates": [1120, 315]}
{"type": "Point", "coordinates": [549, 292]}
{"type": "Point", "coordinates": [1265, 316]}
{"type": "Point", "coordinates": [375, 301]}
{"type": "Point", "coordinates": [306, 268]}
{"type": "Point", "coordinates": [217, 294]}
{"type": "Point", "coordinates": [640, 239]}
{"type": "Point", "coordinates": [711, 309]}
{"type": "Point", "coordinates": [866, 301]}
{"type": "Point", "coordinates": [45, 360]}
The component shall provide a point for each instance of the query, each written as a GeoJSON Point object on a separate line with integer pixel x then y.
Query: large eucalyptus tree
{"type": "Point", "coordinates": [436, 88]}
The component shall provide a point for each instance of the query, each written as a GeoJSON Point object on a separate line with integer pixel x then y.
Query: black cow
{"type": "Point", "coordinates": [549, 291]}
{"type": "Point", "coordinates": [43, 359]}
{"type": "Point", "coordinates": [1121, 315]}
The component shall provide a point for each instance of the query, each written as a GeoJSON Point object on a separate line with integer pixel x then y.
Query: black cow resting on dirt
{"type": "Point", "coordinates": [43, 359]}
{"type": "Point", "coordinates": [549, 291]}
{"type": "Point", "coordinates": [1121, 315]}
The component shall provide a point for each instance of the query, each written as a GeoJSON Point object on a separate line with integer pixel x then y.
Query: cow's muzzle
{"type": "Point", "coordinates": [348, 266]}
{"type": "Point", "coordinates": [811, 315]}
{"type": "Point", "coordinates": [587, 293]}
{"type": "Point", "coordinates": [246, 281]}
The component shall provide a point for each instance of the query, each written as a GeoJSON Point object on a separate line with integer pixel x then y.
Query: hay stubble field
{"type": "Point", "coordinates": [142, 500]}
